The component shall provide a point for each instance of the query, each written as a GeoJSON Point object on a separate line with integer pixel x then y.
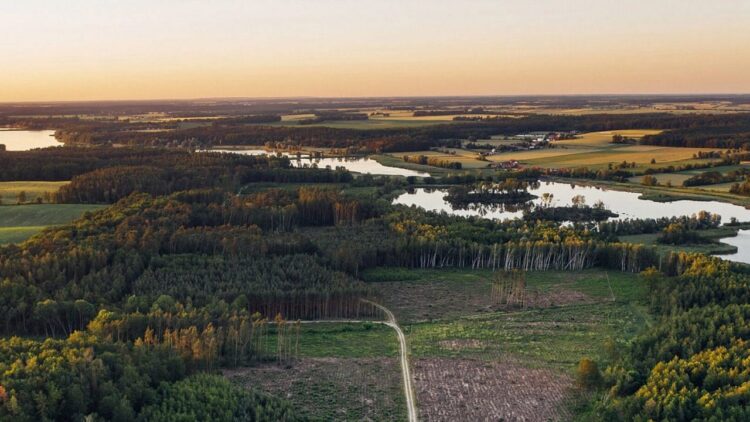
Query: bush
{"type": "Point", "coordinates": [588, 376]}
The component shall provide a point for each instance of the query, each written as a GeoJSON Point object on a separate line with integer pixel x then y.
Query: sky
{"type": "Point", "coordinates": [53, 50]}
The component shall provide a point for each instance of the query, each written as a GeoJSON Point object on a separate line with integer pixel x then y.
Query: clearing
{"type": "Point", "coordinates": [9, 190]}
{"type": "Point", "coordinates": [19, 222]}
{"type": "Point", "coordinates": [473, 359]}
{"type": "Point", "coordinates": [434, 294]}
{"type": "Point", "coordinates": [474, 390]}
{"type": "Point", "coordinates": [331, 388]}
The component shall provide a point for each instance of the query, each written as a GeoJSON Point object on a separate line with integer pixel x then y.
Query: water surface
{"type": "Point", "coordinates": [742, 242]}
{"type": "Point", "coordinates": [625, 204]}
{"type": "Point", "coordinates": [354, 164]}
{"type": "Point", "coordinates": [24, 140]}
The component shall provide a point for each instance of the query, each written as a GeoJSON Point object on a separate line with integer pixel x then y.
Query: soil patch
{"type": "Point", "coordinates": [475, 390]}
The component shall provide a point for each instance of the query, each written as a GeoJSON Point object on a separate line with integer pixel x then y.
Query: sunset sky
{"type": "Point", "coordinates": [106, 49]}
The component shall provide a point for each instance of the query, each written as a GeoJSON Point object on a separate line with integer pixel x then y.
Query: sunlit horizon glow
{"type": "Point", "coordinates": [102, 50]}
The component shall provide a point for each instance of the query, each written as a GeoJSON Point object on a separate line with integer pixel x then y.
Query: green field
{"type": "Point", "coordinates": [677, 178]}
{"type": "Point", "coordinates": [715, 247]}
{"type": "Point", "coordinates": [19, 222]}
{"type": "Point", "coordinates": [9, 190]}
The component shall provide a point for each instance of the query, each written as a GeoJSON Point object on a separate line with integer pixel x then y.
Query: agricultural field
{"type": "Point", "coordinates": [592, 150]}
{"type": "Point", "coordinates": [19, 222]}
{"type": "Point", "coordinates": [600, 156]}
{"type": "Point", "coordinates": [604, 138]}
{"type": "Point", "coordinates": [9, 190]}
{"type": "Point", "coordinates": [677, 178]}
{"type": "Point", "coordinates": [373, 122]}
{"type": "Point", "coordinates": [687, 107]}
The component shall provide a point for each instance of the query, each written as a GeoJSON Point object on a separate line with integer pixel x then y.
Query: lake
{"type": "Point", "coordinates": [354, 164]}
{"type": "Point", "coordinates": [742, 242]}
{"type": "Point", "coordinates": [626, 204]}
{"type": "Point", "coordinates": [24, 140]}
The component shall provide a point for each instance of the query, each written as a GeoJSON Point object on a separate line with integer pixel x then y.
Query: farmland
{"type": "Point", "coordinates": [596, 150]}
{"type": "Point", "coordinates": [591, 150]}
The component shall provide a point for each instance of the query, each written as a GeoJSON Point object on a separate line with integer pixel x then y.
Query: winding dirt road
{"type": "Point", "coordinates": [405, 370]}
{"type": "Point", "coordinates": [403, 352]}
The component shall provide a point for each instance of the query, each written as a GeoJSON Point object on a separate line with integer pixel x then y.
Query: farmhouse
{"type": "Point", "coordinates": [510, 164]}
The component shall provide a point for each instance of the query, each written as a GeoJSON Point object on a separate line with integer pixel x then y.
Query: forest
{"type": "Point", "coordinates": [701, 130]}
{"type": "Point", "coordinates": [202, 262]}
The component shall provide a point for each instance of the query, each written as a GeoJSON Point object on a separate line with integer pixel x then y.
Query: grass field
{"type": "Point", "coordinates": [677, 178]}
{"type": "Point", "coordinates": [715, 247]}
{"type": "Point", "coordinates": [9, 190]}
{"type": "Point", "coordinates": [19, 222]}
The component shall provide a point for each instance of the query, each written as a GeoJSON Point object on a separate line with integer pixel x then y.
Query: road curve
{"type": "Point", "coordinates": [405, 371]}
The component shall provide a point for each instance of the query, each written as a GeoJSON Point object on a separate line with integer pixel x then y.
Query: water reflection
{"type": "Point", "coordinates": [24, 140]}
{"type": "Point", "coordinates": [625, 204]}
{"type": "Point", "coordinates": [742, 242]}
{"type": "Point", "coordinates": [354, 164]}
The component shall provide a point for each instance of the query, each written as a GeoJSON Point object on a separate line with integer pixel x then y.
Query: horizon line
{"type": "Point", "coordinates": [373, 97]}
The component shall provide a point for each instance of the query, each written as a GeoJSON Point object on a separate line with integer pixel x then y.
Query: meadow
{"type": "Point", "coordinates": [19, 222]}
{"type": "Point", "coordinates": [9, 190]}
{"type": "Point", "coordinates": [677, 178]}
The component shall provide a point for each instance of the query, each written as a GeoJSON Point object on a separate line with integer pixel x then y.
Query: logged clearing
{"type": "Point", "coordinates": [333, 388]}
{"type": "Point", "coordinates": [423, 295]}
{"type": "Point", "coordinates": [474, 390]}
